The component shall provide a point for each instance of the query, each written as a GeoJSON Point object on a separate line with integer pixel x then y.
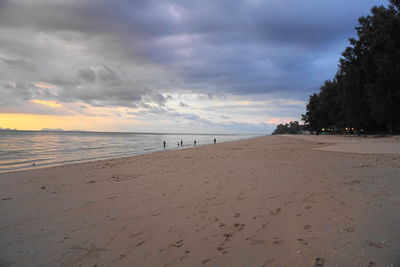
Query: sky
{"type": "Point", "coordinates": [172, 66]}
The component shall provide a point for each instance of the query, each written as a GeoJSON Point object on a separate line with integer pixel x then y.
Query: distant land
{"type": "Point", "coordinates": [52, 130]}
{"type": "Point", "coordinates": [149, 133]}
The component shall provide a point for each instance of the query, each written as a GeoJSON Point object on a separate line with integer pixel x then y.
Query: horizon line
{"type": "Point", "coordinates": [153, 133]}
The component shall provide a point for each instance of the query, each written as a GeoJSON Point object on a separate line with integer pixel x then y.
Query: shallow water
{"type": "Point", "coordinates": [22, 149]}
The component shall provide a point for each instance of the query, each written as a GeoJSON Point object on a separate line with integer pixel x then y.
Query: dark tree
{"type": "Point", "coordinates": [365, 93]}
{"type": "Point", "coordinates": [313, 116]}
{"type": "Point", "coordinates": [292, 127]}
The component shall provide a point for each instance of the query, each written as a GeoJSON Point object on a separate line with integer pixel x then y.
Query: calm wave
{"type": "Point", "coordinates": [22, 149]}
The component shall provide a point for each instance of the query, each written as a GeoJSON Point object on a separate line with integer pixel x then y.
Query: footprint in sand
{"type": "Point", "coordinates": [205, 261]}
{"type": "Point", "coordinates": [116, 178]}
{"type": "Point", "coordinates": [278, 241]}
{"type": "Point", "coordinates": [239, 226]}
{"type": "Point", "coordinates": [228, 236]}
{"type": "Point", "coordinates": [254, 241]}
{"type": "Point", "coordinates": [353, 182]}
{"type": "Point", "coordinates": [222, 250]}
{"type": "Point", "coordinates": [319, 262]}
{"type": "Point", "coordinates": [308, 207]}
{"type": "Point", "coordinates": [185, 255]}
{"type": "Point", "coordinates": [307, 227]}
{"type": "Point", "coordinates": [302, 241]}
{"type": "Point", "coordinates": [138, 244]}
{"type": "Point", "coordinates": [373, 244]}
{"type": "Point", "coordinates": [349, 229]}
{"type": "Point", "coordinates": [267, 263]}
{"type": "Point", "coordinates": [178, 244]}
{"type": "Point", "coordinates": [276, 212]}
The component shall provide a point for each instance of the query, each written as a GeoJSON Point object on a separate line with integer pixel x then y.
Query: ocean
{"type": "Point", "coordinates": [21, 150]}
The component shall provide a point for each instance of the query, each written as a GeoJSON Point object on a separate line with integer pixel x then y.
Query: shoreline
{"type": "Point", "coordinates": [271, 200]}
{"type": "Point", "coordinates": [143, 152]}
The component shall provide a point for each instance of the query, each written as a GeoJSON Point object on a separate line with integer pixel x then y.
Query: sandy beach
{"type": "Point", "coordinates": [268, 201]}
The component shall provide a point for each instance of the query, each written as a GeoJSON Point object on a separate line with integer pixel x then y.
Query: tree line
{"type": "Point", "coordinates": [365, 92]}
{"type": "Point", "coordinates": [292, 127]}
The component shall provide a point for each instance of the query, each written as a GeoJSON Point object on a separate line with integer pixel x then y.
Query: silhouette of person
{"type": "Point", "coordinates": [165, 143]}
{"type": "Point", "coordinates": [215, 141]}
{"type": "Point", "coordinates": [195, 142]}
{"type": "Point", "coordinates": [178, 143]}
{"type": "Point", "coordinates": [181, 143]}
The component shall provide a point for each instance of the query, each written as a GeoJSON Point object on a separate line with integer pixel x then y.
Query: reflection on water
{"type": "Point", "coordinates": [20, 149]}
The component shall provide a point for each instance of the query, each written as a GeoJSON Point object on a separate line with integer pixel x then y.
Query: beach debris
{"type": "Point", "coordinates": [319, 262]}
{"type": "Point", "coordinates": [33, 164]}
{"type": "Point", "coordinates": [43, 187]}
{"type": "Point", "coordinates": [307, 227]}
{"type": "Point", "coordinates": [6, 198]}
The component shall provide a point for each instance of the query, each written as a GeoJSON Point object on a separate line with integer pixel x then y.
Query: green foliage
{"type": "Point", "coordinates": [292, 127]}
{"type": "Point", "coordinates": [365, 92]}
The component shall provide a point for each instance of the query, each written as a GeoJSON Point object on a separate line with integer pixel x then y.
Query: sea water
{"type": "Point", "coordinates": [32, 149]}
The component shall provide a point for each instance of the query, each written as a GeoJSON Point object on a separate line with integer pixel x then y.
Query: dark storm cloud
{"type": "Point", "coordinates": [214, 47]}
{"type": "Point", "coordinates": [18, 63]}
{"type": "Point", "coordinates": [87, 74]}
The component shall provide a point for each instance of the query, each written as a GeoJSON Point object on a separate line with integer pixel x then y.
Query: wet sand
{"type": "Point", "coordinates": [269, 201]}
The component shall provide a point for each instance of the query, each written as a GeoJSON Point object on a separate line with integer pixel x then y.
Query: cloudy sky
{"type": "Point", "coordinates": [210, 66]}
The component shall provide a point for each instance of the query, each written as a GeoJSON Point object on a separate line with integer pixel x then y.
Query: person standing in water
{"type": "Point", "coordinates": [195, 142]}
{"type": "Point", "coordinates": [165, 143]}
{"type": "Point", "coordinates": [181, 142]}
{"type": "Point", "coordinates": [215, 141]}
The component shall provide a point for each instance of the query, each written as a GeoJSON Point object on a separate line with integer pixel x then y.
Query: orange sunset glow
{"type": "Point", "coordinates": [48, 103]}
{"type": "Point", "coordinates": [74, 122]}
